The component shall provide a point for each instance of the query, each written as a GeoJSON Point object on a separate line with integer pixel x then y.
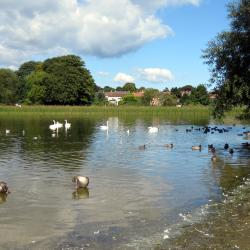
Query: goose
{"type": "Point", "coordinates": [81, 181]}
{"type": "Point", "coordinates": [153, 129]}
{"type": "Point", "coordinates": [53, 126]}
{"type": "Point", "coordinates": [4, 189]}
{"type": "Point", "coordinates": [196, 147]}
{"type": "Point", "coordinates": [67, 125]}
{"type": "Point", "coordinates": [103, 127]}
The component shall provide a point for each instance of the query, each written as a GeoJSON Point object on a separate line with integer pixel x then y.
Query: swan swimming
{"type": "Point", "coordinates": [67, 125]}
{"type": "Point", "coordinates": [59, 125]}
{"type": "Point", "coordinates": [53, 126]}
{"type": "Point", "coordinates": [153, 129]}
{"type": "Point", "coordinates": [103, 127]}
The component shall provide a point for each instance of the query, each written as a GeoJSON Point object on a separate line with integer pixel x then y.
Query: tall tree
{"type": "Point", "coordinates": [129, 86]}
{"type": "Point", "coordinates": [8, 86]}
{"type": "Point", "coordinates": [228, 56]}
{"type": "Point", "coordinates": [68, 81]}
{"type": "Point", "coordinates": [23, 72]}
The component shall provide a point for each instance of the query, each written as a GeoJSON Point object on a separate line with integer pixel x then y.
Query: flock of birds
{"type": "Point", "coordinates": [83, 181]}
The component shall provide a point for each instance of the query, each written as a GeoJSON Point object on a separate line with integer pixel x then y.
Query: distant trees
{"type": "Point", "coordinates": [228, 56]}
{"type": "Point", "coordinates": [59, 80]}
{"type": "Point", "coordinates": [8, 86]}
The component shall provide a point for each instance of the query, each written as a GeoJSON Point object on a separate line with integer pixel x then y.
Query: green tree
{"type": "Point", "coordinates": [129, 86]}
{"type": "Point", "coordinates": [168, 100]}
{"type": "Point", "coordinates": [130, 99]}
{"type": "Point", "coordinates": [100, 98]}
{"type": "Point", "coordinates": [228, 56]}
{"type": "Point", "coordinates": [176, 91]}
{"type": "Point", "coordinates": [199, 95]}
{"type": "Point", "coordinates": [8, 86]}
{"type": "Point", "coordinates": [23, 72]}
{"type": "Point", "coordinates": [68, 81]}
{"type": "Point", "coordinates": [36, 89]}
{"type": "Point", "coordinates": [108, 89]}
{"type": "Point", "coordinates": [149, 94]}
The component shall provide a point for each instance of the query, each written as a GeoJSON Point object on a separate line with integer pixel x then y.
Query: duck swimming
{"type": "Point", "coordinates": [4, 189]}
{"type": "Point", "coordinates": [142, 147]}
{"type": "Point", "coordinates": [81, 181]}
{"type": "Point", "coordinates": [196, 147]}
{"type": "Point", "coordinates": [171, 145]}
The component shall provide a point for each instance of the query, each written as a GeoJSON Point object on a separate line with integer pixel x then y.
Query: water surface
{"type": "Point", "coordinates": [136, 199]}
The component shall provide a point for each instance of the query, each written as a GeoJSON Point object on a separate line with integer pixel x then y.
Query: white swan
{"type": "Point", "coordinates": [53, 126]}
{"type": "Point", "coordinates": [153, 129]}
{"type": "Point", "coordinates": [59, 125]}
{"type": "Point", "coordinates": [67, 125]}
{"type": "Point", "coordinates": [7, 131]}
{"type": "Point", "coordinates": [103, 127]}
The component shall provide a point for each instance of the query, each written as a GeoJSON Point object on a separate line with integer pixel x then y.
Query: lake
{"type": "Point", "coordinates": [136, 199]}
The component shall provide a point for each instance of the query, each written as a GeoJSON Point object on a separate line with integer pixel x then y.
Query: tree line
{"type": "Point", "coordinates": [57, 81]}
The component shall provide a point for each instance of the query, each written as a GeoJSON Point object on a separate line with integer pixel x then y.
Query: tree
{"type": "Point", "coordinates": [176, 91]}
{"type": "Point", "coordinates": [130, 99]}
{"type": "Point", "coordinates": [67, 81]}
{"type": "Point", "coordinates": [228, 56]}
{"type": "Point", "coordinates": [8, 86]}
{"type": "Point", "coordinates": [129, 86]}
{"type": "Point", "coordinates": [149, 94]}
{"type": "Point", "coordinates": [168, 100]}
{"type": "Point", "coordinates": [199, 95]}
{"type": "Point", "coordinates": [23, 72]}
{"type": "Point", "coordinates": [108, 89]}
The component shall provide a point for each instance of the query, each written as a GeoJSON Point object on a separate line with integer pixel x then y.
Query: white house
{"type": "Point", "coordinates": [115, 97]}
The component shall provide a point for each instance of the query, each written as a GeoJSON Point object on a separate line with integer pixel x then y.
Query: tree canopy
{"type": "Point", "coordinates": [228, 56]}
{"type": "Point", "coordinates": [59, 80]}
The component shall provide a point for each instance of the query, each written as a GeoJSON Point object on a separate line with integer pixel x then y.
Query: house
{"type": "Point", "coordinates": [212, 96]}
{"type": "Point", "coordinates": [138, 94]}
{"type": "Point", "coordinates": [115, 97]}
{"type": "Point", "coordinates": [187, 90]}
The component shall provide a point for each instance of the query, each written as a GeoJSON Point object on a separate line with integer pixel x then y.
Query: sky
{"type": "Point", "coordinates": [154, 43]}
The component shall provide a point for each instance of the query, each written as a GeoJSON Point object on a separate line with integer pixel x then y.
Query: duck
{"type": "Point", "coordinates": [226, 146]}
{"type": "Point", "coordinates": [153, 129]}
{"type": "Point", "coordinates": [81, 181]}
{"type": "Point", "coordinates": [231, 151]}
{"type": "Point", "coordinates": [103, 127]}
{"type": "Point", "coordinates": [142, 147]}
{"type": "Point", "coordinates": [171, 145]}
{"type": "Point", "coordinates": [196, 147]}
{"type": "Point", "coordinates": [4, 189]}
{"type": "Point", "coordinates": [67, 125]}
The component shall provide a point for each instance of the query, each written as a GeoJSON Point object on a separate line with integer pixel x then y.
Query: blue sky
{"type": "Point", "coordinates": [153, 43]}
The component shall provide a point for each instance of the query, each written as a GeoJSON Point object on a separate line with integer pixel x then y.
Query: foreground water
{"type": "Point", "coordinates": [137, 199]}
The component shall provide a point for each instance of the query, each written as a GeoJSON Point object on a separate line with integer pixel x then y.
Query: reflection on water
{"type": "Point", "coordinates": [136, 198]}
{"type": "Point", "coordinates": [80, 193]}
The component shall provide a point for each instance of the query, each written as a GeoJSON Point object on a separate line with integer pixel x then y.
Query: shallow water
{"type": "Point", "coordinates": [136, 199]}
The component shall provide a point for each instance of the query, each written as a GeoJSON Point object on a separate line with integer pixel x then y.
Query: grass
{"type": "Point", "coordinates": [102, 109]}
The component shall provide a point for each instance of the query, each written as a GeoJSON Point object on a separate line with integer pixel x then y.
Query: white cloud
{"type": "Point", "coordinates": [103, 28]}
{"type": "Point", "coordinates": [156, 75]}
{"type": "Point", "coordinates": [123, 78]}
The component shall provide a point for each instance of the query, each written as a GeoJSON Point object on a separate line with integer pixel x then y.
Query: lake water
{"type": "Point", "coordinates": [136, 199]}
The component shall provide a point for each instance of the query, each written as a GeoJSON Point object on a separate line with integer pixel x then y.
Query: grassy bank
{"type": "Point", "coordinates": [102, 109]}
